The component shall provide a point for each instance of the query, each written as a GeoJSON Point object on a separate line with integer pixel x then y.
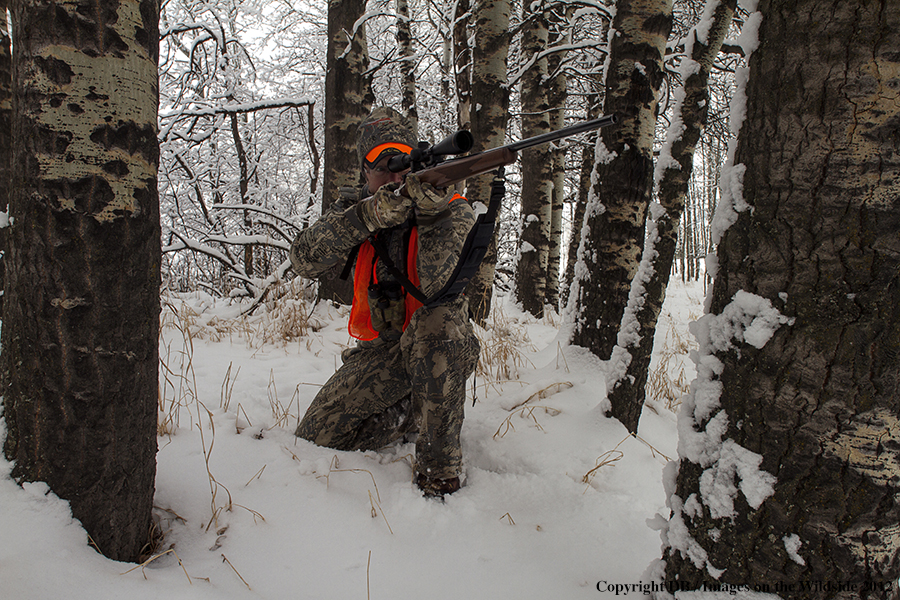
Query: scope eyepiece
{"type": "Point", "coordinates": [399, 162]}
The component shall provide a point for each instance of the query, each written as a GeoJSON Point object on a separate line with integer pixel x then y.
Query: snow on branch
{"type": "Point", "coordinates": [236, 108]}
{"type": "Point", "coordinates": [258, 209]}
{"type": "Point", "coordinates": [249, 240]}
{"type": "Point", "coordinates": [514, 79]}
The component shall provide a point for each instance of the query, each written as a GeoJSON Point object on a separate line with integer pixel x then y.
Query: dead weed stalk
{"type": "Point", "coordinates": [374, 501]}
{"type": "Point", "coordinates": [610, 457]}
{"type": "Point", "coordinates": [179, 386]}
{"type": "Point", "coordinates": [524, 412]}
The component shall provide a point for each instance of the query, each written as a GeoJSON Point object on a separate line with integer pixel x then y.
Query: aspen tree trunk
{"type": "Point", "coordinates": [789, 461]}
{"type": "Point", "coordinates": [6, 91]}
{"type": "Point", "coordinates": [556, 99]}
{"type": "Point", "coordinates": [81, 317]}
{"type": "Point", "coordinates": [628, 390]}
{"type": "Point", "coordinates": [537, 167]}
{"type": "Point", "coordinates": [688, 245]}
{"type": "Point", "coordinates": [348, 100]}
{"type": "Point", "coordinates": [593, 110]}
{"type": "Point", "coordinates": [619, 198]}
{"type": "Point", "coordinates": [462, 61]}
{"type": "Point", "coordinates": [557, 206]}
{"type": "Point", "coordinates": [5, 128]}
{"type": "Point", "coordinates": [407, 66]}
{"type": "Point", "coordinates": [490, 103]}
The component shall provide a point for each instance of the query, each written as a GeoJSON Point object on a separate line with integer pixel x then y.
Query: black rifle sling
{"type": "Point", "coordinates": [473, 251]}
{"type": "Point", "coordinates": [351, 258]}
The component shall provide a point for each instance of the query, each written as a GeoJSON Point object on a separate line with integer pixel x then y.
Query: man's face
{"type": "Point", "coordinates": [380, 175]}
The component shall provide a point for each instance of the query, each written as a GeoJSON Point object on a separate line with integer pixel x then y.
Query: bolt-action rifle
{"type": "Point", "coordinates": [430, 165]}
{"type": "Point", "coordinates": [429, 162]}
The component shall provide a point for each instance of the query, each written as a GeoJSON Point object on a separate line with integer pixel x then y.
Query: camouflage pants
{"type": "Point", "coordinates": [386, 389]}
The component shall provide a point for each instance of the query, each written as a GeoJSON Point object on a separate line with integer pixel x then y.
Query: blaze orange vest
{"type": "Point", "coordinates": [360, 325]}
{"type": "Point", "coordinates": [364, 275]}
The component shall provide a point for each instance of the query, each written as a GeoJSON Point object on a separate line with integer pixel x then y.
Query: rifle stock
{"type": "Point", "coordinates": [451, 172]}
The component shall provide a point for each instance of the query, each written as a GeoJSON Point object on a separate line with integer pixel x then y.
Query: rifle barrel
{"type": "Point", "coordinates": [563, 133]}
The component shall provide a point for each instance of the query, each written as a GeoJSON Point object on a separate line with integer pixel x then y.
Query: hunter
{"type": "Point", "coordinates": [406, 375]}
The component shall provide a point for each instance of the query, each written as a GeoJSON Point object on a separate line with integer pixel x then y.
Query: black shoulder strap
{"type": "Point", "coordinates": [348, 266]}
{"type": "Point", "coordinates": [476, 245]}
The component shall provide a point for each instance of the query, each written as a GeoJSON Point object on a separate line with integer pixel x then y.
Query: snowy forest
{"type": "Point", "coordinates": [158, 159]}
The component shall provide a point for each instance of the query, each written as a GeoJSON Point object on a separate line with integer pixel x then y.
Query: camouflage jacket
{"type": "Point", "coordinates": [329, 241]}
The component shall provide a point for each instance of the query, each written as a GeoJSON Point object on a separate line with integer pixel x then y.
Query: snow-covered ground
{"type": "Point", "coordinates": [250, 511]}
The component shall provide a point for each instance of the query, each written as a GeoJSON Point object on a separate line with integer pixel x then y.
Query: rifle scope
{"type": "Point", "coordinates": [428, 156]}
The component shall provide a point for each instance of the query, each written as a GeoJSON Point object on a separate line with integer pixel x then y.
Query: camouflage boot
{"type": "Point", "coordinates": [437, 488]}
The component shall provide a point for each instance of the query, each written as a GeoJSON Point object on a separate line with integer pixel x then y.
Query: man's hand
{"type": "Point", "coordinates": [384, 209]}
{"type": "Point", "coordinates": [428, 199]}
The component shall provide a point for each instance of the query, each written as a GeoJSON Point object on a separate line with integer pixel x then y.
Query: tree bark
{"type": "Point", "coordinates": [537, 167]}
{"type": "Point", "coordinates": [462, 64]}
{"type": "Point", "coordinates": [593, 110]}
{"type": "Point", "coordinates": [635, 340]}
{"type": "Point", "coordinates": [556, 98]}
{"type": "Point", "coordinates": [5, 128]}
{"type": "Point", "coordinates": [490, 102]}
{"type": "Point", "coordinates": [81, 317]}
{"type": "Point", "coordinates": [348, 100]}
{"type": "Point", "coordinates": [624, 182]}
{"type": "Point", "coordinates": [813, 204]}
{"type": "Point", "coordinates": [407, 66]}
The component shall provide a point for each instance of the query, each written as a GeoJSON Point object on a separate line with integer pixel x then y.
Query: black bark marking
{"type": "Point", "coordinates": [56, 70]}
{"type": "Point", "coordinates": [131, 137]}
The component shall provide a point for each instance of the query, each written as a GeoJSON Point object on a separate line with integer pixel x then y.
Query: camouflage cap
{"type": "Point", "coordinates": [385, 131]}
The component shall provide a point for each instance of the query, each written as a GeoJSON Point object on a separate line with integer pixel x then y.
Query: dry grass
{"type": "Point", "coordinates": [225, 560]}
{"type": "Point", "coordinates": [610, 457]}
{"type": "Point", "coordinates": [524, 410]}
{"type": "Point", "coordinates": [288, 314]}
{"type": "Point", "coordinates": [553, 388]}
{"type": "Point", "coordinates": [179, 396]}
{"type": "Point", "coordinates": [503, 346]}
{"type": "Point", "coordinates": [668, 382]}
{"type": "Point", "coordinates": [178, 389]}
{"type": "Point", "coordinates": [154, 557]}
{"type": "Point", "coordinates": [286, 319]}
{"type": "Point", "coordinates": [281, 413]}
{"type": "Point", "coordinates": [228, 387]}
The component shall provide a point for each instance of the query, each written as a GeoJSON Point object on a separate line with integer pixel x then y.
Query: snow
{"type": "Point", "coordinates": [792, 544]}
{"type": "Point", "coordinates": [735, 463]}
{"type": "Point", "coordinates": [557, 498]}
{"type": "Point", "coordinates": [748, 318]}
